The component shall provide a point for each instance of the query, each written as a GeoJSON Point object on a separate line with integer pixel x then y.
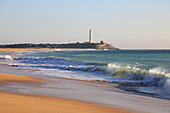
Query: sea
{"type": "Point", "coordinates": [140, 71]}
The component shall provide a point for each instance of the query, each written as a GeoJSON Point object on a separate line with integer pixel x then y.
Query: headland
{"type": "Point", "coordinates": [85, 45]}
{"type": "Point", "coordinates": [98, 46]}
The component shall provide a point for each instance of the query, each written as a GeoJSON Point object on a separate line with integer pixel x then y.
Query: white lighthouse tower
{"type": "Point", "coordinates": [90, 37]}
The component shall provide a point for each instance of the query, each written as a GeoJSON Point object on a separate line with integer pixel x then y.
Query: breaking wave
{"type": "Point", "coordinates": [6, 57]}
{"type": "Point", "coordinates": [153, 77]}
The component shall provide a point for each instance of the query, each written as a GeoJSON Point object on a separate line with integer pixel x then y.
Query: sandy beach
{"type": "Point", "coordinates": [22, 91]}
{"type": "Point", "coordinates": [18, 103]}
{"type": "Point", "coordinates": [23, 49]}
{"type": "Point", "coordinates": [37, 49]}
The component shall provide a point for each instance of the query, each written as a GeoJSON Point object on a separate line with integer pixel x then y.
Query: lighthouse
{"type": "Point", "coordinates": [90, 37]}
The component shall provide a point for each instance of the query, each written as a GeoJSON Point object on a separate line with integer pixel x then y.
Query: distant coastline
{"type": "Point", "coordinates": [98, 46]}
{"type": "Point", "coordinates": [86, 45]}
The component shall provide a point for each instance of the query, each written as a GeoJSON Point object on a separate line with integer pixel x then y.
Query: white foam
{"type": "Point", "coordinates": [6, 57]}
{"type": "Point", "coordinates": [57, 49]}
{"type": "Point", "coordinates": [68, 74]}
{"type": "Point", "coordinates": [113, 65]}
{"type": "Point", "coordinates": [157, 70]}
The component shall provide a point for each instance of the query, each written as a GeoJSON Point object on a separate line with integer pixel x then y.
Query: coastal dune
{"type": "Point", "coordinates": [21, 103]}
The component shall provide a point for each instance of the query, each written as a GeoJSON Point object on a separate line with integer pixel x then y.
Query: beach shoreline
{"type": "Point", "coordinates": [39, 49]}
{"type": "Point", "coordinates": [93, 92]}
{"type": "Point", "coordinates": [52, 104]}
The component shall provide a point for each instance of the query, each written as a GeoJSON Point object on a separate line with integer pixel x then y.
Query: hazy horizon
{"type": "Point", "coordinates": [127, 24]}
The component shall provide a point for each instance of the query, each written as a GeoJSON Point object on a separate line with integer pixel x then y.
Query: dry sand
{"type": "Point", "coordinates": [23, 49]}
{"type": "Point", "coordinates": [17, 103]}
{"type": "Point", "coordinates": [39, 49]}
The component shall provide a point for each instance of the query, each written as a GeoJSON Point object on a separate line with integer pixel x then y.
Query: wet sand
{"type": "Point", "coordinates": [17, 103]}
{"type": "Point", "coordinates": [14, 103]}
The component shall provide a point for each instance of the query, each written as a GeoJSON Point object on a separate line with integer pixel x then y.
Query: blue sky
{"type": "Point", "coordinates": [124, 23]}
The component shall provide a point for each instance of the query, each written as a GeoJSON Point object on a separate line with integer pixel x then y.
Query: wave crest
{"type": "Point", "coordinates": [153, 77]}
{"type": "Point", "coordinates": [6, 57]}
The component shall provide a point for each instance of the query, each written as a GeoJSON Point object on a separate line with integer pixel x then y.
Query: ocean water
{"type": "Point", "coordinates": [145, 71]}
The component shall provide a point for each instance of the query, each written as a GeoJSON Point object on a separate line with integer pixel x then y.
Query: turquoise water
{"type": "Point", "coordinates": [146, 71]}
{"type": "Point", "coordinates": [143, 59]}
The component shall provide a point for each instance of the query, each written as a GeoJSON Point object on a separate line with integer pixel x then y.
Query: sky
{"type": "Point", "coordinates": [127, 24]}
